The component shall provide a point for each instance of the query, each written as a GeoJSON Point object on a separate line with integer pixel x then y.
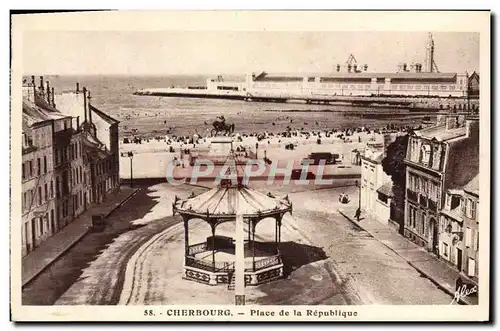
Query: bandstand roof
{"type": "Point", "coordinates": [223, 200]}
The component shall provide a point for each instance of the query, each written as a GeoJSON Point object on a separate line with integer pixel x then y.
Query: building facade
{"type": "Point", "coordinates": [459, 237]}
{"type": "Point", "coordinates": [99, 144]}
{"type": "Point", "coordinates": [439, 158]}
{"type": "Point", "coordinates": [38, 204]}
{"type": "Point", "coordinates": [60, 176]}
{"type": "Point", "coordinates": [470, 214]}
{"type": "Point", "coordinates": [415, 84]}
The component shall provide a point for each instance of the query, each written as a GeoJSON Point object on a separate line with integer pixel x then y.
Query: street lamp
{"type": "Point", "coordinates": [257, 150]}
{"type": "Point", "coordinates": [131, 156]}
{"type": "Point", "coordinates": [358, 211]}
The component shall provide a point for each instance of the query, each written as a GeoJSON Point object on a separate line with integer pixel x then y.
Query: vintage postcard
{"type": "Point", "coordinates": [250, 166]}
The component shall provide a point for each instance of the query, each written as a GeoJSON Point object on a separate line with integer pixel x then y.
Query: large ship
{"type": "Point", "coordinates": [349, 82]}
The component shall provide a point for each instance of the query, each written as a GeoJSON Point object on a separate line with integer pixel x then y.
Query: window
{"type": "Point", "coordinates": [51, 188]}
{"type": "Point", "coordinates": [448, 200]}
{"type": "Point", "coordinates": [38, 166]}
{"type": "Point", "coordinates": [24, 172]}
{"type": "Point", "coordinates": [471, 267]}
{"type": "Point", "coordinates": [445, 250]}
{"type": "Point", "coordinates": [425, 154]}
{"type": "Point", "coordinates": [45, 164]}
{"type": "Point", "coordinates": [58, 184]}
{"type": "Point", "coordinates": [382, 198]}
{"type": "Point", "coordinates": [46, 191]}
{"type": "Point", "coordinates": [40, 225]}
{"type": "Point", "coordinates": [476, 240]}
{"type": "Point", "coordinates": [468, 237]}
{"type": "Point", "coordinates": [39, 195]}
{"type": "Point", "coordinates": [412, 216]}
{"type": "Point", "coordinates": [471, 209]}
{"type": "Point", "coordinates": [25, 200]}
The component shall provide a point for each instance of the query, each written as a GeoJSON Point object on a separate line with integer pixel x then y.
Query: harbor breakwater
{"type": "Point", "coordinates": [417, 103]}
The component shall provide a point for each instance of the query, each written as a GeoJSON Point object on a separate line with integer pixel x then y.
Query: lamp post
{"type": "Point", "coordinates": [358, 211]}
{"type": "Point", "coordinates": [257, 150]}
{"type": "Point", "coordinates": [131, 156]}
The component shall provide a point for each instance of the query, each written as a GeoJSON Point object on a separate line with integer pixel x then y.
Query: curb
{"type": "Point", "coordinates": [74, 242]}
{"type": "Point", "coordinates": [418, 269]}
{"type": "Point", "coordinates": [122, 203]}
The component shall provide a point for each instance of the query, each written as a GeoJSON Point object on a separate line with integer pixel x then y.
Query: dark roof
{"type": "Point", "coordinates": [386, 189]}
{"type": "Point", "coordinates": [104, 116]}
{"type": "Point", "coordinates": [462, 163]}
{"type": "Point", "coordinates": [94, 147]}
{"type": "Point", "coordinates": [32, 114]}
{"type": "Point", "coordinates": [473, 185]}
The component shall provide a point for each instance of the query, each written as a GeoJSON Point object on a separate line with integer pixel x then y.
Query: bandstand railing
{"type": "Point", "coordinates": [220, 266]}
{"type": "Point", "coordinates": [197, 248]}
{"type": "Point", "coordinates": [267, 262]}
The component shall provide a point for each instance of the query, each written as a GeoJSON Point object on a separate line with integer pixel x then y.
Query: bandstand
{"type": "Point", "coordinates": [212, 262]}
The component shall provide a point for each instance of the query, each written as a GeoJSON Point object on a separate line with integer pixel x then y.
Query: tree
{"type": "Point", "coordinates": [393, 165]}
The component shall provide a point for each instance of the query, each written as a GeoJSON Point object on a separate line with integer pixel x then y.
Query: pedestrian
{"type": "Point", "coordinates": [358, 214]}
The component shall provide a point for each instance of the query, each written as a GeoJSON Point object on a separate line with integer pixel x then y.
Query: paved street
{"type": "Point", "coordinates": [329, 260]}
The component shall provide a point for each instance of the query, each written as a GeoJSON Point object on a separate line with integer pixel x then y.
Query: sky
{"type": "Point", "coordinates": [236, 52]}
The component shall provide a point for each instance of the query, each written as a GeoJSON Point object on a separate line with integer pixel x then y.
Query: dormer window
{"type": "Point", "coordinates": [425, 154]}
{"type": "Point", "coordinates": [448, 201]}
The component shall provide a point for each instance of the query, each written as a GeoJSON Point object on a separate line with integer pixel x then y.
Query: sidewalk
{"type": "Point", "coordinates": [51, 249]}
{"type": "Point", "coordinates": [429, 265]}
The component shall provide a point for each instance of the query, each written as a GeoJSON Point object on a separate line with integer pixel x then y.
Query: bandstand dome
{"type": "Point", "coordinates": [223, 201]}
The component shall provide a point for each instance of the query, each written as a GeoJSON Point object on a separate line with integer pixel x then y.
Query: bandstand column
{"type": "Point", "coordinates": [253, 245]}
{"type": "Point", "coordinates": [186, 237]}
{"type": "Point", "coordinates": [249, 232]}
{"type": "Point", "coordinates": [213, 246]}
{"type": "Point", "coordinates": [276, 234]}
{"type": "Point", "coordinates": [279, 230]}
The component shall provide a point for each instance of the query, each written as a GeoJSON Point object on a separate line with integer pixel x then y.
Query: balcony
{"type": "Point", "coordinates": [432, 205]}
{"type": "Point", "coordinates": [423, 201]}
{"type": "Point", "coordinates": [411, 195]}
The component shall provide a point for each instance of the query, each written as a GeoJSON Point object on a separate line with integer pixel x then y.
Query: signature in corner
{"type": "Point", "coordinates": [463, 292]}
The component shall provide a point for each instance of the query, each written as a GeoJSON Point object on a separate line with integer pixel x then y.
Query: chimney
{"type": "Point", "coordinates": [77, 87]}
{"type": "Point", "coordinates": [41, 84]}
{"type": "Point", "coordinates": [48, 93]}
{"type": "Point", "coordinates": [85, 103]}
{"type": "Point", "coordinates": [53, 98]}
{"type": "Point", "coordinates": [88, 105]}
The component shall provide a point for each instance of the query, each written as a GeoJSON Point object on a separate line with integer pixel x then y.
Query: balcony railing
{"type": "Point", "coordinates": [423, 201]}
{"type": "Point", "coordinates": [432, 205]}
{"type": "Point", "coordinates": [411, 195]}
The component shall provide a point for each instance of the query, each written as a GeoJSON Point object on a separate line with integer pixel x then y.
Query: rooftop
{"type": "Point", "coordinates": [473, 185]}
{"type": "Point", "coordinates": [104, 116]}
{"type": "Point", "coordinates": [33, 114]}
{"type": "Point", "coordinates": [386, 189]}
{"type": "Point", "coordinates": [440, 133]}
{"type": "Point", "coordinates": [403, 75]}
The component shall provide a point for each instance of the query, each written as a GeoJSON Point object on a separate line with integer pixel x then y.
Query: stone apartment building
{"type": "Point", "coordinates": [61, 174]}
{"type": "Point", "coordinates": [37, 201]}
{"type": "Point", "coordinates": [459, 232]}
{"type": "Point", "coordinates": [99, 143]}
{"type": "Point", "coordinates": [375, 195]}
{"type": "Point", "coordinates": [439, 158]}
